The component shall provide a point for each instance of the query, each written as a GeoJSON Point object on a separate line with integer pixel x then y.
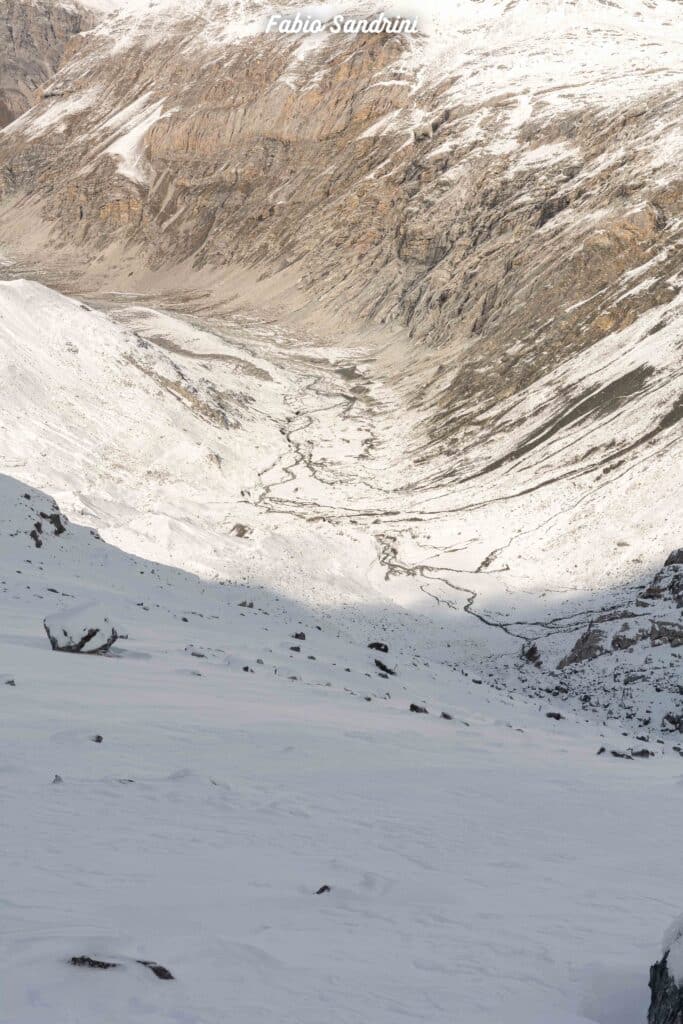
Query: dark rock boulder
{"type": "Point", "coordinates": [589, 645]}
{"type": "Point", "coordinates": [666, 1003]}
{"type": "Point", "coordinates": [666, 633]}
{"type": "Point", "coordinates": [666, 979]}
{"type": "Point", "coordinates": [675, 558]}
{"type": "Point", "coordinates": [531, 653]}
{"type": "Point", "coordinates": [83, 630]}
{"type": "Point", "coordinates": [157, 969]}
{"type": "Point", "coordinates": [88, 961]}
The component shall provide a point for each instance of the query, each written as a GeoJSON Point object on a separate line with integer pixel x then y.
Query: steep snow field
{"type": "Point", "coordinates": [484, 868]}
{"type": "Point", "coordinates": [156, 431]}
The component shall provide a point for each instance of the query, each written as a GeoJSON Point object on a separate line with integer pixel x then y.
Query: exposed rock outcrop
{"type": "Point", "coordinates": [34, 35]}
{"type": "Point", "coordinates": [666, 980]}
{"type": "Point", "coordinates": [590, 645]}
{"type": "Point", "coordinates": [84, 630]}
{"type": "Point", "coordinates": [666, 1005]}
{"type": "Point", "coordinates": [628, 662]}
{"type": "Point", "coordinates": [662, 598]}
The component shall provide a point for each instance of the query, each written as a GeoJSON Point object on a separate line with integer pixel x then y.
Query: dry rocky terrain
{"type": "Point", "coordinates": [34, 37]}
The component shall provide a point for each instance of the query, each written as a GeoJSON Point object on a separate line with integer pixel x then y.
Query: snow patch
{"type": "Point", "coordinates": [129, 148]}
{"type": "Point", "coordinates": [551, 153]}
{"type": "Point", "coordinates": [44, 117]}
{"type": "Point", "coordinates": [672, 944]}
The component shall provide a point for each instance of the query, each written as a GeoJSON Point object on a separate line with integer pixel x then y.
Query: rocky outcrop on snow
{"type": "Point", "coordinates": [655, 618]}
{"type": "Point", "coordinates": [666, 980]}
{"type": "Point", "coordinates": [34, 35]}
{"type": "Point", "coordinates": [104, 965]}
{"type": "Point", "coordinates": [38, 517]}
{"type": "Point", "coordinates": [589, 645]}
{"type": "Point", "coordinates": [666, 1005]}
{"type": "Point", "coordinates": [628, 662]}
{"type": "Point", "coordinates": [83, 630]}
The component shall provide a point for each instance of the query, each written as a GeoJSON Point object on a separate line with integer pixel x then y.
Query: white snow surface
{"type": "Point", "coordinates": [673, 946]}
{"type": "Point", "coordinates": [236, 451]}
{"type": "Point", "coordinates": [128, 428]}
{"type": "Point", "coordinates": [487, 866]}
{"type": "Point", "coordinates": [129, 148]}
{"type": "Point", "coordinates": [484, 868]}
{"type": "Point", "coordinates": [54, 116]}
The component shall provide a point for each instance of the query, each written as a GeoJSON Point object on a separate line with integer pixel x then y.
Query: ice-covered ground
{"type": "Point", "coordinates": [481, 868]}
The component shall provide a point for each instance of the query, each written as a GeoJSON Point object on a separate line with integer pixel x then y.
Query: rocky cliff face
{"type": "Point", "coordinates": [666, 1004]}
{"type": "Point", "coordinates": [507, 217]}
{"type": "Point", "coordinates": [34, 35]}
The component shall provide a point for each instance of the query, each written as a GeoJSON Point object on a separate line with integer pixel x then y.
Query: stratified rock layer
{"type": "Point", "coordinates": [33, 38]}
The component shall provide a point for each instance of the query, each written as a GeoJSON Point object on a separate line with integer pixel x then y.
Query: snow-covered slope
{"type": "Point", "coordinates": [367, 400]}
{"type": "Point", "coordinates": [182, 801]}
{"type": "Point", "coordinates": [234, 450]}
{"type": "Point", "coordinates": [170, 437]}
{"type": "Point", "coordinates": [617, 35]}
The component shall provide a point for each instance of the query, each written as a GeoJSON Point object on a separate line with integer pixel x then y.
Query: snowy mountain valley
{"type": "Point", "coordinates": [342, 404]}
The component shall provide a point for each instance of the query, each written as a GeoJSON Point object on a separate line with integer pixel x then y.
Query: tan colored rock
{"type": "Point", "coordinates": [34, 35]}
